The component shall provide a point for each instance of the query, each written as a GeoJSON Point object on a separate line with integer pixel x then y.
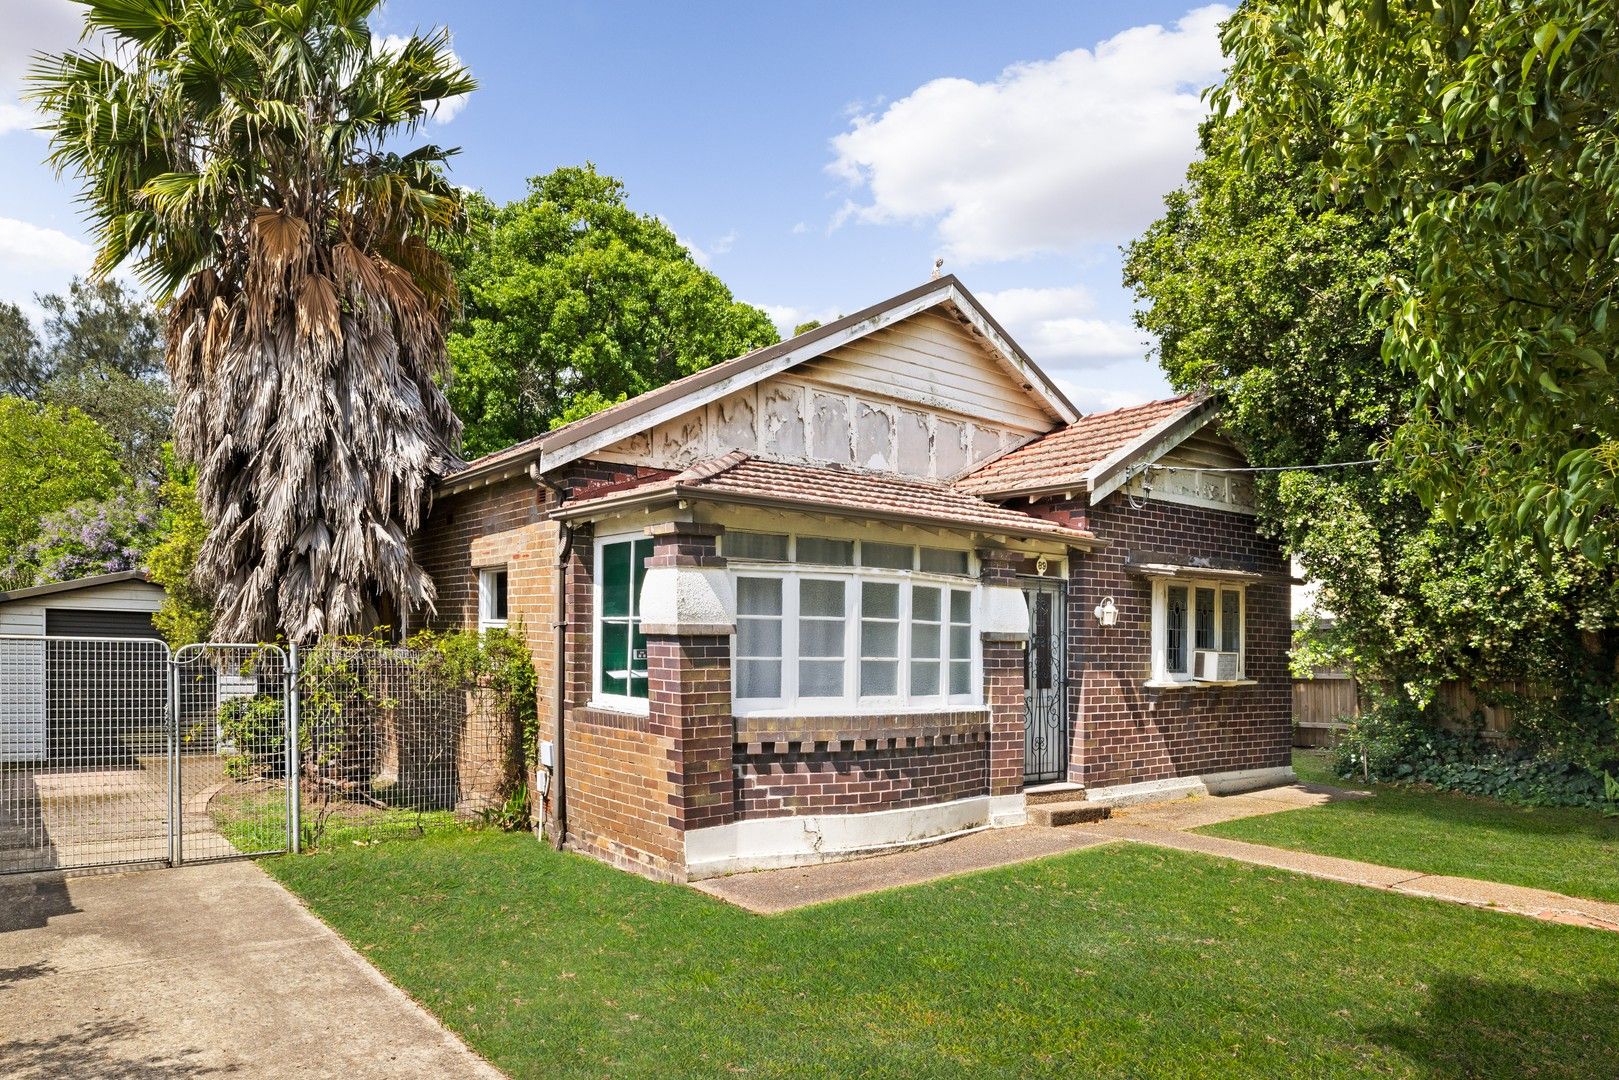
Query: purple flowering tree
{"type": "Point", "coordinates": [86, 539]}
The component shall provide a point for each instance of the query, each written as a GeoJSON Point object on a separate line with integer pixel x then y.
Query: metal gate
{"type": "Point", "coordinates": [115, 751]}
{"type": "Point", "coordinates": [1045, 736]}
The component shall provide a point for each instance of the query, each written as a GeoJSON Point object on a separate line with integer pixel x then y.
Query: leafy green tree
{"type": "Point", "coordinates": [243, 156]}
{"type": "Point", "coordinates": [1254, 290]}
{"type": "Point", "coordinates": [22, 367]}
{"type": "Point", "coordinates": [187, 612]}
{"type": "Point", "coordinates": [1489, 132]}
{"type": "Point", "coordinates": [50, 458]}
{"type": "Point", "coordinates": [103, 355]}
{"type": "Point", "coordinates": [572, 301]}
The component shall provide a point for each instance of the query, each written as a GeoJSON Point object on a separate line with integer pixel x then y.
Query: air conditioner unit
{"type": "Point", "coordinates": [1213, 666]}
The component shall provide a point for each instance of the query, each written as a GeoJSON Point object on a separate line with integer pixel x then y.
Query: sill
{"type": "Point", "coordinates": [627, 706]}
{"type": "Point", "coordinates": [1196, 684]}
{"type": "Point", "coordinates": [817, 710]}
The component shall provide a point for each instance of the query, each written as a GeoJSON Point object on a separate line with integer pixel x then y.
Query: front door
{"type": "Point", "coordinates": [1045, 739]}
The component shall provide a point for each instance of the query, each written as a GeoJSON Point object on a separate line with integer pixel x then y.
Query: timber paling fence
{"type": "Point", "coordinates": [120, 751]}
{"type": "Point", "coordinates": [1322, 705]}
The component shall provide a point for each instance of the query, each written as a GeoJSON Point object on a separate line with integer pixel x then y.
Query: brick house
{"type": "Point", "coordinates": [869, 586]}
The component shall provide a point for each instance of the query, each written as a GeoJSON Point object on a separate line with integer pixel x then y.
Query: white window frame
{"type": "Point", "coordinates": [849, 702]}
{"type": "Point", "coordinates": [599, 699]}
{"type": "Point", "coordinates": [487, 620]}
{"type": "Point", "coordinates": [1161, 675]}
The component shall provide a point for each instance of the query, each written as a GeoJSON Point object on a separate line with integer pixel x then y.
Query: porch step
{"type": "Point", "coordinates": [1075, 812]}
{"type": "Point", "coordinates": [1062, 791]}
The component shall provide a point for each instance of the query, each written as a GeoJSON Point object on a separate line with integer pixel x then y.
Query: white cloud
{"type": "Point", "coordinates": [442, 110]}
{"type": "Point", "coordinates": [1051, 156]}
{"type": "Point", "coordinates": [1057, 327]}
{"type": "Point", "coordinates": [786, 317]}
{"type": "Point", "coordinates": [28, 27]}
{"type": "Point", "coordinates": [43, 248]}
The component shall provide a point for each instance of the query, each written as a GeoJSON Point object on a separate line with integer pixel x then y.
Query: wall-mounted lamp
{"type": "Point", "coordinates": [1107, 612]}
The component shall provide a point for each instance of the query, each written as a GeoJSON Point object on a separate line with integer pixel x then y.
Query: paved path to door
{"type": "Point", "coordinates": [1159, 824]}
{"type": "Point", "coordinates": [201, 971]}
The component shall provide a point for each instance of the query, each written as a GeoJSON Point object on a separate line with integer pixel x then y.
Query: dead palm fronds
{"type": "Point", "coordinates": [238, 153]}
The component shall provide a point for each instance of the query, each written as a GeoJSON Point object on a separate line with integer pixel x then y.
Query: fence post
{"type": "Point", "coordinates": [175, 807]}
{"type": "Point", "coordinates": [294, 754]}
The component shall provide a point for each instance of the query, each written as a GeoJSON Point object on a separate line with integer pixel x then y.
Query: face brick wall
{"type": "Point", "coordinates": [1124, 732]}
{"type": "Point", "coordinates": [859, 781]}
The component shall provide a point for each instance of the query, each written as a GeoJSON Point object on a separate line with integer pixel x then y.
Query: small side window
{"type": "Point", "coordinates": [492, 598]}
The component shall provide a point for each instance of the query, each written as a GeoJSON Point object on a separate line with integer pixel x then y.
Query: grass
{"type": "Point", "coordinates": [1565, 850]}
{"type": "Point", "coordinates": [253, 817]}
{"type": "Point", "coordinates": [1120, 961]}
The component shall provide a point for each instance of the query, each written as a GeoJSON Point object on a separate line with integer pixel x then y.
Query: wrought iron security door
{"type": "Point", "coordinates": [1045, 739]}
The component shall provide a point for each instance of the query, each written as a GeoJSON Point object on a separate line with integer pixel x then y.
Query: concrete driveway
{"type": "Point", "coordinates": [205, 970]}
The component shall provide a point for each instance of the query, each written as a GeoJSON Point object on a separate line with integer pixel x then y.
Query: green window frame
{"type": "Point", "coordinates": [621, 652]}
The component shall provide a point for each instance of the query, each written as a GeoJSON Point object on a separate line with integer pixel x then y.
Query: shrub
{"type": "Point", "coordinates": [253, 729]}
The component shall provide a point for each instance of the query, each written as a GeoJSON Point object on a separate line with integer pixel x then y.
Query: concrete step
{"type": "Point", "coordinates": [1050, 793]}
{"type": "Point", "coordinates": [1074, 812]}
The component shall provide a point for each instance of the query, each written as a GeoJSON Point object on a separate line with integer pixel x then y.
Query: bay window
{"type": "Point", "coordinates": [846, 624]}
{"type": "Point", "coordinates": [1197, 631]}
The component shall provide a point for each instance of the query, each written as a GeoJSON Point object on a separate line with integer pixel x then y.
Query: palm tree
{"type": "Point", "coordinates": [239, 153]}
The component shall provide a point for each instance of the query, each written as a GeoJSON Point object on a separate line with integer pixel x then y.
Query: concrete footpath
{"type": "Point", "coordinates": [199, 971]}
{"type": "Point", "coordinates": [1162, 825]}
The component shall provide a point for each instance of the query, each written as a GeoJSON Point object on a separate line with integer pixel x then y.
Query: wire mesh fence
{"type": "Point", "coordinates": [85, 767]}
{"type": "Point", "coordinates": [394, 744]}
{"type": "Point", "coordinates": [114, 751]}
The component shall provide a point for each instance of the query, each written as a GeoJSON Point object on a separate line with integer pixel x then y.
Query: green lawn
{"type": "Point", "coordinates": [1568, 851]}
{"type": "Point", "coordinates": [1121, 961]}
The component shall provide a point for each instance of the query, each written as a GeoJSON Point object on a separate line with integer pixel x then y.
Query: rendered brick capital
{"type": "Point", "coordinates": [687, 601]}
{"type": "Point", "coordinates": [1005, 614]}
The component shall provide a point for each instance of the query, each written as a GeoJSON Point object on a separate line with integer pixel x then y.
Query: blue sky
{"type": "Point", "coordinates": [817, 157]}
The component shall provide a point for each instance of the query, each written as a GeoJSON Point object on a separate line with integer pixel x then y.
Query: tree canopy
{"type": "Point", "coordinates": [50, 459]}
{"type": "Point", "coordinates": [573, 301]}
{"type": "Point", "coordinates": [1488, 132]}
{"type": "Point", "coordinates": [242, 156]}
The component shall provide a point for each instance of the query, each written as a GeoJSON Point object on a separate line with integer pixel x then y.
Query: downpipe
{"type": "Point", "coordinates": [557, 787]}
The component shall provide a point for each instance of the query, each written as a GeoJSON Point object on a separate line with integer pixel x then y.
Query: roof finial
{"type": "Point", "coordinates": [938, 264]}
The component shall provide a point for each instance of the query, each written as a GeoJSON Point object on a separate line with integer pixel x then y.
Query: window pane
{"type": "Point", "coordinates": [888, 556]}
{"type": "Point", "coordinates": [758, 678]}
{"type": "Point", "coordinates": [879, 639]}
{"type": "Point", "coordinates": [942, 561]}
{"type": "Point", "coordinates": [925, 603]}
{"type": "Point", "coordinates": [615, 657]}
{"type": "Point", "coordinates": [1205, 618]}
{"type": "Point", "coordinates": [1175, 630]}
{"type": "Point", "coordinates": [615, 574]}
{"type": "Point", "coordinates": [638, 680]}
{"type": "Point", "coordinates": [497, 605]}
{"type": "Point", "coordinates": [820, 637]}
{"type": "Point", "coordinates": [643, 552]}
{"type": "Point", "coordinates": [1230, 621]}
{"type": "Point", "coordinates": [768, 547]}
{"type": "Point", "coordinates": [879, 678]}
{"type": "Point", "coordinates": [821, 598]}
{"type": "Point", "coordinates": [961, 677]}
{"type": "Point", "coordinates": [758, 637]}
{"type": "Point", "coordinates": [758, 596]}
{"type": "Point", "coordinates": [925, 678]}
{"type": "Point", "coordinates": [879, 600]}
{"type": "Point", "coordinates": [961, 643]}
{"type": "Point", "coordinates": [924, 640]}
{"type": "Point", "coordinates": [813, 549]}
{"type": "Point", "coordinates": [820, 678]}
{"type": "Point", "coordinates": [961, 606]}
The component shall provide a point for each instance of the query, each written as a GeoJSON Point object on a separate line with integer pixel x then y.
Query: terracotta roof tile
{"type": "Point", "coordinates": [1062, 458]}
{"type": "Point", "coordinates": [737, 476]}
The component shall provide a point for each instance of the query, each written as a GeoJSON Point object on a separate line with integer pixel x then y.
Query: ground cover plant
{"type": "Point", "coordinates": [1118, 961]}
{"type": "Point", "coordinates": [1572, 851]}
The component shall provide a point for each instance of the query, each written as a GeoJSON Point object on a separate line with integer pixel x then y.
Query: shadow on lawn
{"type": "Point", "coordinates": [1479, 1028]}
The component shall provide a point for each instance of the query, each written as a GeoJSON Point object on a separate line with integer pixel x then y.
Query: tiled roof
{"type": "Point", "coordinates": [1062, 458]}
{"type": "Point", "coordinates": [738, 477]}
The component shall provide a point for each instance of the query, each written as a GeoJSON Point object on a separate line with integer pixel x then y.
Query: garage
{"type": "Point", "coordinates": [65, 648]}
